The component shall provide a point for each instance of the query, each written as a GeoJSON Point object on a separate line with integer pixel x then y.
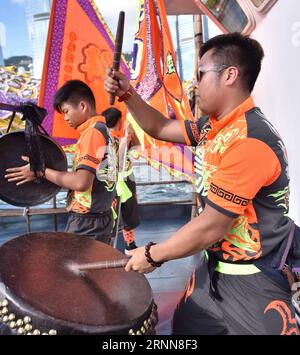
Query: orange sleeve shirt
{"type": "Point", "coordinates": [91, 149]}
{"type": "Point", "coordinates": [243, 170]}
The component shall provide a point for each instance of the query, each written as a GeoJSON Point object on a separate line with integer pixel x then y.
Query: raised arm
{"type": "Point", "coordinates": [150, 120]}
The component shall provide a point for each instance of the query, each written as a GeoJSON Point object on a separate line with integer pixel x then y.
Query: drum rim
{"type": "Point", "coordinates": [69, 327]}
{"type": "Point", "coordinates": [54, 193]}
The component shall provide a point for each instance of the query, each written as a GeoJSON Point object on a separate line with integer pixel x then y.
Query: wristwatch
{"type": "Point", "coordinates": [127, 94]}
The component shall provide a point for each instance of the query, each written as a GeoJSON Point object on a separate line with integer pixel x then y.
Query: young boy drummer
{"type": "Point", "coordinates": [89, 199]}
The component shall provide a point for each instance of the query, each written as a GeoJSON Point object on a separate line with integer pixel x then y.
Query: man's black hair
{"type": "Point", "coordinates": [73, 91]}
{"type": "Point", "coordinates": [235, 49]}
{"type": "Point", "coordinates": [112, 116]}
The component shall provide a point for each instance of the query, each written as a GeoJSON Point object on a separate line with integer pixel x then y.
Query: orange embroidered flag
{"type": "Point", "coordinates": [79, 46]}
{"type": "Point", "coordinates": [155, 78]}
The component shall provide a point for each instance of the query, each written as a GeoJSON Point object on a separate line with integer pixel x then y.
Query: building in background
{"type": "Point", "coordinates": [182, 31]}
{"type": "Point", "coordinates": [209, 29]}
{"type": "Point", "coordinates": [1, 54]}
{"type": "Point", "coordinates": [2, 41]}
{"type": "Point", "coordinates": [38, 15]}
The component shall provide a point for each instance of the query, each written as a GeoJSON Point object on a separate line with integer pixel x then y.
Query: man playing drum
{"type": "Point", "coordinates": [245, 188]}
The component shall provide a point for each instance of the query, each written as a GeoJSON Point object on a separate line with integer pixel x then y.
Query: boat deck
{"type": "Point", "coordinates": [158, 223]}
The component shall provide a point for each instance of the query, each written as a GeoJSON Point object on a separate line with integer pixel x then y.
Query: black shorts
{"type": "Point", "coordinates": [129, 209]}
{"type": "Point", "coordinates": [246, 304]}
{"type": "Point", "coordinates": [97, 226]}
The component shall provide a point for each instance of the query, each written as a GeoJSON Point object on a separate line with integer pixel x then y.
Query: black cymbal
{"type": "Point", "coordinates": [12, 147]}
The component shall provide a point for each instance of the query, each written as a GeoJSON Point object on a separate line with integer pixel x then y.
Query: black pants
{"type": "Point", "coordinates": [246, 304]}
{"type": "Point", "coordinates": [96, 226]}
{"type": "Point", "coordinates": [129, 209]}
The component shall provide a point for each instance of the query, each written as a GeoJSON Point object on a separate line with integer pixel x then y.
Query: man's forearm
{"type": "Point", "coordinates": [189, 240]}
{"type": "Point", "coordinates": [150, 120]}
{"type": "Point", "coordinates": [197, 235]}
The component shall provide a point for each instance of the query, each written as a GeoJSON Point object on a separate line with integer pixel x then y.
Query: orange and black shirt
{"type": "Point", "coordinates": [92, 149]}
{"type": "Point", "coordinates": [242, 171]}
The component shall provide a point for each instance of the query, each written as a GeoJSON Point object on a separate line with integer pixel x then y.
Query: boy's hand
{"type": "Point", "coordinates": [116, 83]}
{"type": "Point", "coordinates": [21, 174]}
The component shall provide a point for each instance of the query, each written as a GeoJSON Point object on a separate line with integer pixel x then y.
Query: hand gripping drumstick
{"type": "Point", "coordinates": [118, 48]}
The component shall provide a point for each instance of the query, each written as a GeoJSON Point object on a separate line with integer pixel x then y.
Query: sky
{"type": "Point", "coordinates": [14, 33]}
{"type": "Point", "coordinates": [13, 29]}
{"type": "Point", "coordinates": [110, 11]}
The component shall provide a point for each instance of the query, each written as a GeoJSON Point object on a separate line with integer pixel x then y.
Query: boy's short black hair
{"type": "Point", "coordinates": [73, 91]}
{"type": "Point", "coordinates": [112, 116]}
{"type": "Point", "coordinates": [237, 50]}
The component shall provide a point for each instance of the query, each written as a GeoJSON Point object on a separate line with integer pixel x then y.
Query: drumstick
{"type": "Point", "coordinates": [118, 48]}
{"type": "Point", "coordinates": [106, 264]}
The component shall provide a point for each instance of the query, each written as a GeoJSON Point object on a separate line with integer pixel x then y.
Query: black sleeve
{"type": "Point", "coordinates": [197, 130]}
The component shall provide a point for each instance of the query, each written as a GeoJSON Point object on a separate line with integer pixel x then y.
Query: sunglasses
{"type": "Point", "coordinates": [201, 72]}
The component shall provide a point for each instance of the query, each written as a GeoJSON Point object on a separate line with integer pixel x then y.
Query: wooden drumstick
{"type": "Point", "coordinates": [106, 264]}
{"type": "Point", "coordinates": [118, 48]}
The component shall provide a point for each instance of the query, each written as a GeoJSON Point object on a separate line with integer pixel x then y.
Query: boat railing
{"type": "Point", "coordinates": [28, 212]}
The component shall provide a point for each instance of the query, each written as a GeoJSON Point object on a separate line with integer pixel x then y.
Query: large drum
{"type": "Point", "coordinates": [12, 147]}
{"type": "Point", "coordinates": [41, 294]}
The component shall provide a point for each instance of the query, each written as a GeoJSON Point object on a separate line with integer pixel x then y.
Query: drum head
{"type": "Point", "coordinates": [12, 147]}
{"type": "Point", "coordinates": [35, 277]}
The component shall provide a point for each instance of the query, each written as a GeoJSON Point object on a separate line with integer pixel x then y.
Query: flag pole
{"type": "Point", "coordinates": [120, 201]}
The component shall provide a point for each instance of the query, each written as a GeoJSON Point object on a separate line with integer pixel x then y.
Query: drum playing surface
{"type": "Point", "coordinates": [36, 278]}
